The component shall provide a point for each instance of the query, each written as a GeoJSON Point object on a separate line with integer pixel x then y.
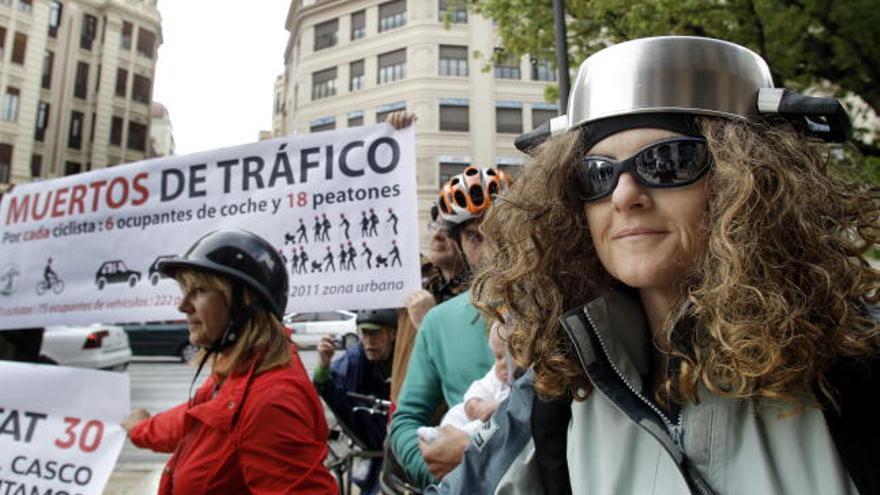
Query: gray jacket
{"type": "Point", "coordinates": [618, 442]}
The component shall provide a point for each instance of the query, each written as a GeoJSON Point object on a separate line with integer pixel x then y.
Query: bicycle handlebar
{"type": "Point", "coordinates": [381, 405]}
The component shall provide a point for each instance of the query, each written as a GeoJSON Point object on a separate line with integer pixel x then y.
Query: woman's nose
{"type": "Point", "coordinates": [628, 193]}
{"type": "Point", "coordinates": [185, 306]}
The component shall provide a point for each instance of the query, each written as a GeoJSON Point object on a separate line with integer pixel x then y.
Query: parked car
{"type": "Point", "coordinates": [92, 346]}
{"type": "Point", "coordinates": [168, 338]}
{"type": "Point", "coordinates": [308, 328]}
{"type": "Point", "coordinates": [153, 273]}
{"type": "Point", "coordinates": [115, 272]}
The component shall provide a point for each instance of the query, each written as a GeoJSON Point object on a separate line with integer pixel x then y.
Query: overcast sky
{"type": "Point", "coordinates": [217, 67]}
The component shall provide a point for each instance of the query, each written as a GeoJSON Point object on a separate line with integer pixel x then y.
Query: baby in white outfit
{"type": "Point", "coordinates": [483, 396]}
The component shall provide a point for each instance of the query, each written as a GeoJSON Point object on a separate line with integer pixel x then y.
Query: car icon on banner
{"type": "Point", "coordinates": [115, 272]}
{"type": "Point", "coordinates": [153, 273]}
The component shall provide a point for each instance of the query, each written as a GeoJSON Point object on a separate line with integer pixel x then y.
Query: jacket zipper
{"type": "Point", "coordinates": [676, 430]}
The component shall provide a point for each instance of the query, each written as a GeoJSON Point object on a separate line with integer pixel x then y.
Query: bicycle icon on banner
{"type": "Point", "coordinates": [50, 281]}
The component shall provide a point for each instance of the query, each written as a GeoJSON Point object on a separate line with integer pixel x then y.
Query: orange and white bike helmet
{"type": "Point", "coordinates": [469, 194]}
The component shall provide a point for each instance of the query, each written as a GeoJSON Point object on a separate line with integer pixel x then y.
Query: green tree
{"type": "Point", "coordinates": [830, 44]}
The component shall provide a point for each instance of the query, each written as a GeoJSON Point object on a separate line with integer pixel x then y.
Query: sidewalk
{"type": "Point", "coordinates": [135, 479]}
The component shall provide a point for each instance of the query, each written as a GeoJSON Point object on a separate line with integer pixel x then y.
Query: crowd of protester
{"type": "Point", "coordinates": [673, 297]}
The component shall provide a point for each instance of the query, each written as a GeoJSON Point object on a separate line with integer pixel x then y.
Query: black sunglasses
{"type": "Point", "coordinates": [674, 162]}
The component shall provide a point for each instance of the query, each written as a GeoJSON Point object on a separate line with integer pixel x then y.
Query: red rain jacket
{"type": "Point", "coordinates": [263, 434]}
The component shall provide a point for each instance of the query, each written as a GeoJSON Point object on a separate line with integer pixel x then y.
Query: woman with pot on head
{"type": "Point", "coordinates": [686, 271]}
{"type": "Point", "coordinates": [256, 424]}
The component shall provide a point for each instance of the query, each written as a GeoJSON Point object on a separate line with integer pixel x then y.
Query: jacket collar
{"type": "Point", "coordinates": [618, 322]}
{"type": "Point", "coordinates": [222, 410]}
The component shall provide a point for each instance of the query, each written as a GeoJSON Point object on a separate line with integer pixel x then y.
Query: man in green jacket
{"type": "Point", "coordinates": [451, 349]}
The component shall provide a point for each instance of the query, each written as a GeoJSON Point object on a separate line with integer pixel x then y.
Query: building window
{"type": "Point", "coordinates": [507, 67]}
{"type": "Point", "coordinates": [458, 15]}
{"type": "Point", "coordinates": [508, 120]}
{"type": "Point", "coordinates": [324, 83]}
{"type": "Point", "coordinates": [392, 66]}
{"type": "Point", "coordinates": [542, 70]}
{"type": "Point", "coordinates": [26, 6]}
{"type": "Point", "coordinates": [137, 136]}
{"type": "Point", "coordinates": [127, 34]}
{"type": "Point", "coordinates": [146, 43]}
{"type": "Point", "coordinates": [2, 41]}
{"type": "Point", "coordinates": [358, 25]}
{"type": "Point", "coordinates": [356, 118]}
{"type": "Point", "coordinates": [81, 83]}
{"type": "Point", "coordinates": [384, 111]}
{"type": "Point", "coordinates": [454, 115]}
{"type": "Point", "coordinates": [55, 9]}
{"type": "Point", "coordinates": [356, 78]}
{"type": "Point", "coordinates": [42, 121]}
{"type": "Point", "coordinates": [10, 105]}
{"type": "Point", "coordinates": [74, 137]}
{"type": "Point", "coordinates": [5, 162]}
{"type": "Point", "coordinates": [325, 34]}
{"type": "Point", "coordinates": [453, 61]}
{"type": "Point", "coordinates": [324, 124]}
{"type": "Point", "coordinates": [541, 115]}
{"type": "Point", "coordinates": [140, 89]}
{"type": "Point", "coordinates": [121, 82]}
{"type": "Point", "coordinates": [450, 169]}
{"type": "Point", "coordinates": [89, 31]}
{"type": "Point", "coordinates": [48, 64]}
{"type": "Point", "coordinates": [392, 15]}
{"type": "Point", "coordinates": [92, 130]}
{"type": "Point", "coordinates": [98, 79]}
{"type": "Point", "coordinates": [72, 168]}
{"type": "Point", "coordinates": [36, 165]}
{"type": "Point", "coordinates": [19, 46]}
{"type": "Point", "coordinates": [116, 131]}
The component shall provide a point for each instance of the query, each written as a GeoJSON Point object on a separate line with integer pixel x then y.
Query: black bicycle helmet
{"type": "Point", "coordinates": [242, 256]}
{"type": "Point", "coordinates": [386, 317]}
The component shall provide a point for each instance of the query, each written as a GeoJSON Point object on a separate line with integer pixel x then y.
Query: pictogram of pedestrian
{"type": "Point", "coordinates": [394, 254]}
{"type": "Point", "coordinates": [365, 225]}
{"type": "Point", "coordinates": [369, 254]}
{"type": "Point", "coordinates": [303, 259]}
{"type": "Point", "coordinates": [7, 279]}
{"type": "Point", "coordinates": [392, 219]}
{"type": "Point", "coordinates": [319, 227]}
{"type": "Point", "coordinates": [283, 258]}
{"type": "Point", "coordinates": [352, 254]}
{"type": "Point", "coordinates": [343, 225]}
{"type": "Point", "coordinates": [329, 262]}
{"type": "Point", "coordinates": [374, 221]}
{"type": "Point", "coordinates": [343, 257]}
{"type": "Point", "coordinates": [326, 224]}
{"type": "Point", "coordinates": [301, 230]}
{"type": "Point", "coordinates": [294, 264]}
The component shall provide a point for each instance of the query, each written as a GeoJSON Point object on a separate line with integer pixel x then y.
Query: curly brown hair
{"type": "Point", "coordinates": [779, 293]}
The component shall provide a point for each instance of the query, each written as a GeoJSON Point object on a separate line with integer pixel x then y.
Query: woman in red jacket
{"type": "Point", "coordinates": [256, 425]}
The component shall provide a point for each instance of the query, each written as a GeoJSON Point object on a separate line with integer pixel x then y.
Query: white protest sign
{"type": "Point", "coordinates": [339, 206]}
{"type": "Point", "coordinates": [59, 428]}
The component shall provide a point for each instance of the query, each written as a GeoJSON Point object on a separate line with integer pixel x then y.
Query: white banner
{"type": "Point", "coordinates": [340, 207]}
{"type": "Point", "coordinates": [59, 428]}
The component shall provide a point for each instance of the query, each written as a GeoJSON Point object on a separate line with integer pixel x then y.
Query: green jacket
{"type": "Point", "coordinates": [451, 352]}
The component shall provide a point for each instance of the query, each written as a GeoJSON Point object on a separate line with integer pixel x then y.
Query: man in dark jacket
{"type": "Point", "coordinates": [365, 369]}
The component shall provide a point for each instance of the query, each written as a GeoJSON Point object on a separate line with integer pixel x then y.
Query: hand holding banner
{"type": "Point", "coordinates": [59, 428]}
